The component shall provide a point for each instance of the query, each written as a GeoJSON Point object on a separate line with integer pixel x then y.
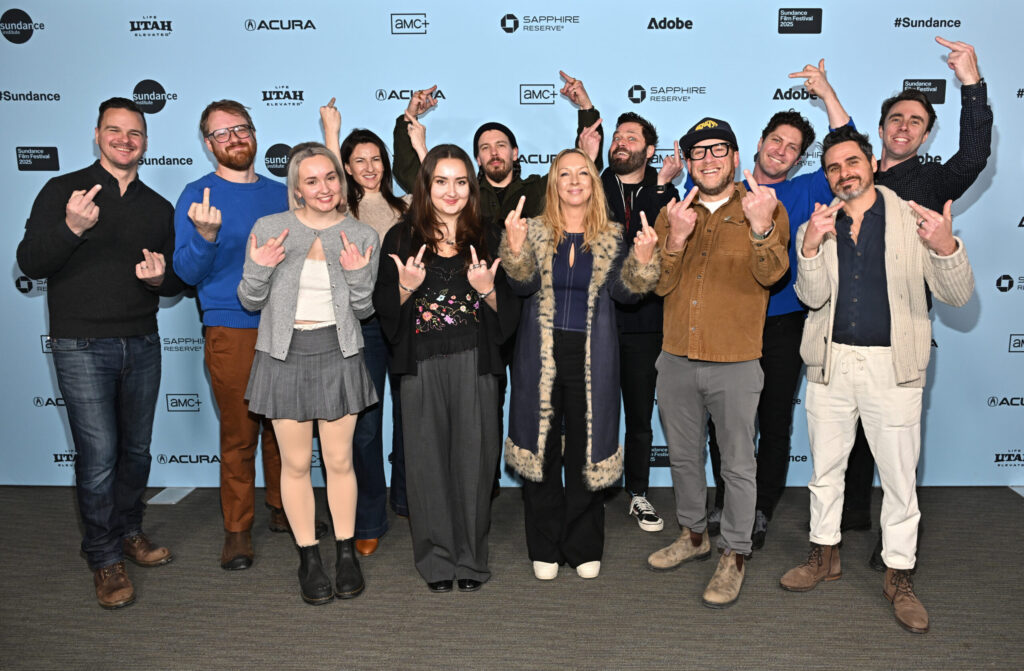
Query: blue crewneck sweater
{"type": "Point", "coordinates": [215, 269]}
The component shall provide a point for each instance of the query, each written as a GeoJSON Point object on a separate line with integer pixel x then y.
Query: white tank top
{"type": "Point", "coordinates": [315, 297]}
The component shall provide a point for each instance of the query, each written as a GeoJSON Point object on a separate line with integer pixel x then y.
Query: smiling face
{"type": "Point", "coordinates": [495, 155]}
{"type": "Point", "coordinates": [319, 184]}
{"type": "Point", "coordinates": [713, 174]}
{"type": "Point", "coordinates": [779, 151]}
{"type": "Point", "coordinates": [850, 173]}
{"type": "Point", "coordinates": [573, 180]}
{"type": "Point", "coordinates": [366, 166]}
{"type": "Point", "coordinates": [449, 189]}
{"type": "Point", "coordinates": [628, 151]}
{"type": "Point", "coordinates": [121, 138]}
{"type": "Point", "coordinates": [237, 153]}
{"type": "Point", "coordinates": [904, 130]}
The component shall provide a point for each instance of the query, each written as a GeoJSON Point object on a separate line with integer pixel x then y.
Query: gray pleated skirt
{"type": "Point", "coordinates": [313, 382]}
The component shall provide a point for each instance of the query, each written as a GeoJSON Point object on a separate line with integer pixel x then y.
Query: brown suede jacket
{"type": "Point", "coordinates": [716, 288]}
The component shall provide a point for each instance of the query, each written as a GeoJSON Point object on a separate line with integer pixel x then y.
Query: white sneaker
{"type": "Point", "coordinates": [587, 570]}
{"type": "Point", "coordinates": [543, 570]}
{"type": "Point", "coordinates": [646, 516]}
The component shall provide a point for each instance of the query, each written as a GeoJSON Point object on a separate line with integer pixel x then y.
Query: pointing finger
{"type": "Point", "coordinates": [945, 43]}
{"type": "Point", "coordinates": [566, 77]}
{"type": "Point", "coordinates": [472, 255]}
{"type": "Point", "coordinates": [689, 197]}
{"type": "Point", "coordinates": [92, 193]}
{"type": "Point", "coordinates": [419, 255]}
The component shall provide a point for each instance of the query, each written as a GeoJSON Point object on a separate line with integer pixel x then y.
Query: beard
{"type": "Point", "coordinates": [854, 193]}
{"type": "Point", "coordinates": [714, 189]}
{"type": "Point", "coordinates": [631, 163]}
{"type": "Point", "coordinates": [237, 156]}
{"type": "Point", "coordinates": [497, 172]}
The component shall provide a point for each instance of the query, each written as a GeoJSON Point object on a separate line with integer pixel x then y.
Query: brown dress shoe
{"type": "Point", "coordinates": [905, 606]}
{"type": "Point", "coordinates": [367, 546]}
{"type": "Point", "coordinates": [113, 588]}
{"type": "Point", "coordinates": [237, 553]}
{"type": "Point", "coordinates": [822, 564]}
{"type": "Point", "coordinates": [140, 550]}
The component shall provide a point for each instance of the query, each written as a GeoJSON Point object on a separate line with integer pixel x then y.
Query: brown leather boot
{"type": "Point", "coordinates": [237, 552]}
{"type": "Point", "coordinates": [724, 588]}
{"type": "Point", "coordinates": [689, 546]}
{"type": "Point", "coordinates": [113, 588]}
{"type": "Point", "coordinates": [822, 564]}
{"type": "Point", "coordinates": [367, 546]}
{"type": "Point", "coordinates": [140, 550]}
{"type": "Point", "coordinates": [905, 606]}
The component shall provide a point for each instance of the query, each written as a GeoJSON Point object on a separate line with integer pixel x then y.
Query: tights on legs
{"type": "Point", "coordinates": [336, 452]}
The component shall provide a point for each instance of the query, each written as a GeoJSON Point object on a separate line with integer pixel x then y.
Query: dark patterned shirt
{"type": "Point", "coordinates": [446, 309]}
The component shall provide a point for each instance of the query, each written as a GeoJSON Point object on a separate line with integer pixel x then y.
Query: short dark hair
{"type": "Point", "coordinates": [909, 94]}
{"type": "Point", "coordinates": [122, 104]}
{"type": "Point", "coordinates": [846, 134]}
{"type": "Point", "coordinates": [792, 118]}
{"type": "Point", "coordinates": [229, 106]}
{"type": "Point", "coordinates": [647, 128]}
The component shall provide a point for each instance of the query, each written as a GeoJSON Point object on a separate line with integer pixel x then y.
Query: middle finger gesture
{"type": "Point", "coordinates": [671, 167]}
{"type": "Point", "coordinates": [411, 273]}
{"type": "Point", "coordinates": [270, 253]}
{"type": "Point", "coordinates": [759, 205]}
{"type": "Point", "coordinates": [645, 240]}
{"type": "Point", "coordinates": [351, 258]}
{"type": "Point", "coordinates": [480, 276]}
{"type": "Point", "coordinates": [516, 228]}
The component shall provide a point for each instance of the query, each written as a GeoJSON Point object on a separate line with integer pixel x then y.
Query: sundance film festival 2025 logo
{"type": "Point", "coordinates": [537, 94]}
{"type": "Point", "coordinates": [17, 26]}
{"type": "Point", "coordinates": [276, 159]}
{"type": "Point", "coordinates": [37, 158]}
{"type": "Point", "coordinates": [933, 89]}
{"type": "Point", "coordinates": [794, 20]}
{"type": "Point", "coordinates": [410, 23]}
{"type": "Point", "coordinates": [30, 287]}
{"type": "Point", "coordinates": [253, 25]}
{"type": "Point", "coordinates": [150, 26]}
{"type": "Point", "coordinates": [1006, 283]}
{"type": "Point", "coordinates": [384, 95]}
{"type": "Point", "coordinates": [662, 93]}
{"type": "Point", "coordinates": [283, 96]}
{"type": "Point", "coordinates": [150, 96]}
{"type": "Point", "coordinates": [183, 402]}
{"type": "Point", "coordinates": [511, 23]}
{"type": "Point", "coordinates": [183, 344]}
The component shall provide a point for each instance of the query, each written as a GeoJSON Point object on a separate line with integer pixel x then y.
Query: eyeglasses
{"type": "Point", "coordinates": [718, 150]}
{"type": "Point", "coordinates": [222, 135]}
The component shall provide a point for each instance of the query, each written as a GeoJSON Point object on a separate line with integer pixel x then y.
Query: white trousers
{"type": "Point", "coordinates": [862, 384]}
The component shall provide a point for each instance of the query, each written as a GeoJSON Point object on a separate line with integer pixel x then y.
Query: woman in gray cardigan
{"type": "Point", "coordinates": [311, 272]}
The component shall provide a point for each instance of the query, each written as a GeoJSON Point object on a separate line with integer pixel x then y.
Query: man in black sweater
{"type": "Point", "coordinates": [904, 125]}
{"type": "Point", "coordinates": [104, 240]}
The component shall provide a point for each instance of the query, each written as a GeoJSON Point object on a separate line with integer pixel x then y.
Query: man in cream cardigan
{"type": "Point", "coordinates": [863, 263]}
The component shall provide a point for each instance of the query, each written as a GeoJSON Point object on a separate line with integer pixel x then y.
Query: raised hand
{"type": "Point", "coordinates": [411, 273]}
{"type": "Point", "coordinates": [936, 229]}
{"type": "Point", "coordinates": [331, 118]}
{"type": "Point", "coordinates": [671, 167]}
{"type": "Point", "coordinates": [351, 258]}
{"type": "Point", "coordinates": [480, 276]}
{"type": "Point", "coordinates": [681, 220]}
{"type": "Point", "coordinates": [759, 205]}
{"type": "Point", "coordinates": [574, 91]}
{"type": "Point", "coordinates": [81, 213]}
{"type": "Point", "coordinates": [516, 227]}
{"type": "Point", "coordinates": [421, 101]}
{"type": "Point", "coordinates": [645, 241]}
{"type": "Point", "coordinates": [590, 140]}
{"type": "Point", "coordinates": [962, 61]}
{"type": "Point", "coordinates": [815, 79]}
{"type": "Point", "coordinates": [821, 223]}
{"type": "Point", "coordinates": [205, 217]}
{"type": "Point", "coordinates": [270, 253]}
{"type": "Point", "coordinates": [417, 135]}
{"type": "Point", "coordinates": [151, 269]}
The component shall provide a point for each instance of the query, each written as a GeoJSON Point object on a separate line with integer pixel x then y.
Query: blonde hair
{"type": "Point", "coordinates": [300, 153]}
{"type": "Point", "coordinates": [596, 220]}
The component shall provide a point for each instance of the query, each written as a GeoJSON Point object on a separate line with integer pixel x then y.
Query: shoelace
{"type": "Point", "coordinates": [112, 570]}
{"type": "Point", "coordinates": [901, 580]}
{"type": "Point", "coordinates": [816, 556]}
{"type": "Point", "coordinates": [642, 506]}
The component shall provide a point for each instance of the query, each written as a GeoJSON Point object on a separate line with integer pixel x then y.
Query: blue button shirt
{"type": "Point", "coordinates": [862, 304]}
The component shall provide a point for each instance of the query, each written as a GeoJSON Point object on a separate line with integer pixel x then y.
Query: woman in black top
{"type": "Point", "coordinates": [445, 306]}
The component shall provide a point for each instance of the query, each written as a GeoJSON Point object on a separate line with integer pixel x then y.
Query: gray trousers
{"type": "Point", "coordinates": [687, 392]}
{"type": "Point", "coordinates": [450, 423]}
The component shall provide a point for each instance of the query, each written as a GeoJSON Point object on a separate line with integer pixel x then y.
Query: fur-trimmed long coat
{"type": "Point", "coordinates": [615, 277]}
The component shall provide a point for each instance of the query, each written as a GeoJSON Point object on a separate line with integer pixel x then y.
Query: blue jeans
{"type": "Point", "coordinates": [110, 388]}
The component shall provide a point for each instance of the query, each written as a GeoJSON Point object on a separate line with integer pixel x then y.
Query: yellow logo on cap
{"type": "Point", "coordinates": [706, 124]}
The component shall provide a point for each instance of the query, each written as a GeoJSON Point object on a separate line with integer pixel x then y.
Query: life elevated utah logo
{"type": "Point", "coordinates": [279, 24]}
{"type": "Point", "coordinates": [511, 23]}
{"type": "Point", "coordinates": [17, 26]}
{"type": "Point", "coordinates": [150, 26]}
{"type": "Point", "coordinates": [1009, 459]}
{"type": "Point", "coordinates": [283, 96]}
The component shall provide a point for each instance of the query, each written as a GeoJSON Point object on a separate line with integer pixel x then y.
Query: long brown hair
{"type": "Point", "coordinates": [423, 222]}
{"type": "Point", "coordinates": [360, 136]}
{"type": "Point", "coordinates": [596, 220]}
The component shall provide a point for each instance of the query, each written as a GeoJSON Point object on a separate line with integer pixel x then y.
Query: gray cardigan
{"type": "Point", "coordinates": [275, 291]}
{"type": "Point", "coordinates": [908, 265]}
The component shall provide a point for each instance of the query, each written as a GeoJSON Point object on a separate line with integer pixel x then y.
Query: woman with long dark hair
{"type": "Point", "coordinates": [445, 306]}
{"type": "Point", "coordinates": [570, 264]}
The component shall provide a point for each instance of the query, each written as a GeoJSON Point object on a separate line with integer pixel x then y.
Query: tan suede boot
{"type": "Point", "coordinates": [724, 588]}
{"type": "Point", "coordinates": [905, 606]}
{"type": "Point", "coordinates": [822, 564]}
{"type": "Point", "coordinates": [689, 546]}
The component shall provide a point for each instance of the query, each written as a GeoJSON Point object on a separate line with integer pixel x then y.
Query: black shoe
{"type": "Point", "coordinates": [314, 585]}
{"type": "Point", "coordinates": [467, 585]}
{"type": "Point", "coordinates": [441, 586]}
{"type": "Point", "coordinates": [855, 520]}
{"type": "Point", "coordinates": [715, 522]}
{"type": "Point", "coordinates": [876, 561]}
{"type": "Point", "coordinates": [349, 577]}
{"type": "Point", "coordinates": [759, 531]}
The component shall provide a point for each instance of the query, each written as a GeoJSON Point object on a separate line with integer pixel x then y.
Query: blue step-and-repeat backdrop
{"type": "Point", "coordinates": [670, 62]}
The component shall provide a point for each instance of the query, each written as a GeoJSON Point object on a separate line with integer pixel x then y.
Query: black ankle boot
{"type": "Point", "coordinates": [350, 578]}
{"type": "Point", "coordinates": [314, 583]}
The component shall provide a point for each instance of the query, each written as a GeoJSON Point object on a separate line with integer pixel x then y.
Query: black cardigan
{"type": "Point", "coordinates": [398, 323]}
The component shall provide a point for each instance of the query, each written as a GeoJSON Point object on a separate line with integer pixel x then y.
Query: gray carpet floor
{"type": "Point", "coordinates": [190, 614]}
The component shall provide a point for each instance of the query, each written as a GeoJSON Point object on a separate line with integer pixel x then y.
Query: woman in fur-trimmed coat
{"type": "Point", "coordinates": [570, 264]}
